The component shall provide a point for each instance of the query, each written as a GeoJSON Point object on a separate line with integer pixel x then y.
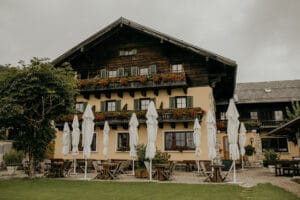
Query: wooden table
{"type": "Point", "coordinates": [105, 170]}
{"type": "Point", "coordinates": [160, 172]}
{"type": "Point", "coordinates": [216, 175]}
{"type": "Point", "coordinates": [287, 168]}
{"type": "Point", "coordinates": [56, 169]}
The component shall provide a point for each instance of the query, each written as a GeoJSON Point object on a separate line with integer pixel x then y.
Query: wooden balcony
{"type": "Point", "coordinates": [133, 83]}
{"type": "Point", "coordinates": [122, 118]}
{"type": "Point", "coordinates": [253, 124]}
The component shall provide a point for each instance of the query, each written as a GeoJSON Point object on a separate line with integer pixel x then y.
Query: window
{"type": "Point", "coordinates": [144, 71]}
{"type": "Point", "coordinates": [278, 115]}
{"type": "Point", "coordinates": [144, 104]}
{"type": "Point", "coordinates": [181, 140]}
{"type": "Point", "coordinates": [134, 71]}
{"type": "Point", "coordinates": [128, 52]}
{"type": "Point", "coordinates": [278, 144]}
{"type": "Point", "coordinates": [123, 142]}
{"type": "Point", "coordinates": [93, 145]}
{"type": "Point", "coordinates": [121, 72]}
{"type": "Point", "coordinates": [103, 73]}
{"type": "Point", "coordinates": [223, 115]}
{"type": "Point", "coordinates": [253, 115]}
{"type": "Point", "coordinates": [111, 106]}
{"type": "Point", "coordinates": [177, 68]}
{"type": "Point", "coordinates": [112, 74]}
{"type": "Point", "coordinates": [181, 102]}
{"type": "Point", "coordinates": [80, 107]}
{"type": "Point", "coordinates": [152, 69]}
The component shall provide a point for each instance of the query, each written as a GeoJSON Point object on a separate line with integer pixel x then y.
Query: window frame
{"type": "Point", "coordinates": [275, 149]}
{"type": "Point", "coordinates": [143, 73]}
{"type": "Point", "coordinates": [112, 73]}
{"type": "Point", "coordinates": [175, 68]}
{"type": "Point", "coordinates": [144, 99]}
{"type": "Point", "coordinates": [253, 115]}
{"type": "Point", "coordinates": [275, 115]}
{"type": "Point", "coordinates": [178, 98]}
{"type": "Point", "coordinates": [110, 102]}
{"type": "Point", "coordinates": [190, 149]}
{"type": "Point", "coordinates": [117, 141]}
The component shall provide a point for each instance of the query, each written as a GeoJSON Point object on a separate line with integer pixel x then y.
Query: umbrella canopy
{"type": "Point", "coordinates": [87, 130]}
{"type": "Point", "coordinates": [151, 122]}
{"type": "Point", "coordinates": [242, 138]}
{"type": "Point", "coordinates": [105, 139]}
{"type": "Point", "coordinates": [197, 137]}
{"type": "Point", "coordinates": [151, 116]}
{"type": "Point", "coordinates": [211, 135]}
{"type": "Point", "coordinates": [66, 139]}
{"type": "Point", "coordinates": [232, 130]}
{"type": "Point", "coordinates": [133, 134]}
{"type": "Point", "coordinates": [75, 135]}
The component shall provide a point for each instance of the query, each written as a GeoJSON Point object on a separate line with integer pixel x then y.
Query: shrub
{"type": "Point", "coordinates": [13, 157]}
{"type": "Point", "coordinates": [249, 150]}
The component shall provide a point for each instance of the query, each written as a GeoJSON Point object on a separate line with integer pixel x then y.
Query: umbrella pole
{"type": "Point", "coordinates": [242, 162]}
{"type": "Point", "coordinates": [85, 169]}
{"type": "Point", "coordinates": [133, 167]}
{"type": "Point", "coordinates": [234, 175]}
{"type": "Point", "coordinates": [150, 170]}
{"type": "Point", "coordinates": [74, 164]}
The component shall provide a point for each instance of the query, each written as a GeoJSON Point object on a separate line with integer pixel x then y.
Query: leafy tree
{"type": "Point", "coordinates": [31, 96]}
{"type": "Point", "coordinates": [294, 111]}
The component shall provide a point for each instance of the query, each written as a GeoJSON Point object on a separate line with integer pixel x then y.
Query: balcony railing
{"type": "Point", "coordinates": [253, 124]}
{"type": "Point", "coordinates": [137, 82]}
{"type": "Point", "coordinates": [123, 117]}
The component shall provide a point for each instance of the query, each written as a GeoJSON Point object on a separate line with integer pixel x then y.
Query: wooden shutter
{"type": "Point", "coordinates": [118, 105]}
{"type": "Point", "coordinates": [121, 71]}
{"type": "Point", "coordinates": [84, 106]}
{"type": "Point", "coordinates": [136, 104]}
{"type": "Point", "coordinates": [134, 71]}
{"type": "Point", "coordinates": [152, 69]}
{"type": "Point", "coordinates": [189, 101]}
{"type": "Point", "coordinates": [103, 106]}
{"type": "Point", "coordinates": [103, 73]}
{"type": "Point", "coordinates": [172, 102]}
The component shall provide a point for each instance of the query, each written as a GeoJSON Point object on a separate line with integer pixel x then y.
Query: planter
{"type": "Point", "coordinates": [11, 169]}
{"type": "Point", "coordinates": [141, 173]}
{"type": "Point", "coordinates": [271, 168]}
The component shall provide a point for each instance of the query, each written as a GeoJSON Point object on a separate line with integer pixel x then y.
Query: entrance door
{"type": "Point", "coordinates": [226, 148]}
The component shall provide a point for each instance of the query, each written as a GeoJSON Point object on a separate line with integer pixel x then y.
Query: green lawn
{"type": "Point", "coordinates": [70, 190]}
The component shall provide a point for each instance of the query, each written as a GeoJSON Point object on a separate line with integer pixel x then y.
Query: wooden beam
{"type": "Point", "coordinates": [120, 93]}
{"type": "Point", "coordinates": [131, 93]}
{"type": "Point", "coordinates": [98, 95]}
{"type": "Point", "coordinates": [169, 91]}
{"type": "Point", "coordinates": [108, 95]}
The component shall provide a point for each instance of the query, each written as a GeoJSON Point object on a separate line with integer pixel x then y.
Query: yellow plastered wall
{"type": "Point", "coordinates": [201, 98]}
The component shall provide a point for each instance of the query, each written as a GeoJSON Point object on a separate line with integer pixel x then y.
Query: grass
{"type": "Point", "coordinates": [70, 190]}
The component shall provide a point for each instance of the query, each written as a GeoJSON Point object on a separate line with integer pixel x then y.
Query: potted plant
{"type": "Point", "coordinates": [270, 158]}
{"type": "Point", "coordinates": [141, 171]}
{"type": "Point", "coordinates": [123, 81]}
{"type": "Point", "coordinates": [249, 150]}
{"type": "Point", "coordinates": [12, 160]}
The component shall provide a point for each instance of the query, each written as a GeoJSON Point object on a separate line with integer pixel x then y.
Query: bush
{"type": "Point", "coordinates": [249, 150]}
{"type": "Point", "coordinates": [13, 157]}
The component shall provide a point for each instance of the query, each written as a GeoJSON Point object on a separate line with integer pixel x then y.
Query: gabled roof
{"type": "Point", "coordinates": [267, 92]}
{"type": "Point", "coordinates": [122, 21]}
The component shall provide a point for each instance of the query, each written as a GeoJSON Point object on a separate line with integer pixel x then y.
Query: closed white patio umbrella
{"type": "Point", "coordinates": [87, 134]}
{"type": "Point", "coordinates": [75, 140]}
{"type": "Point", "coordinates": [197, 141]}
{"type": "Point", "coordinates": [242, 141]}
{"type": "Point", "coordinates": [232, 116]}
{"type": "Point", "coordinates": [66, 139]}
{"type": "Point", "coordinates": [211, 135]}
{"type": "Point", "coordinates": [105, 139]}
{"type": "Point", "coordinates": [133, 137]}
{"type": "Point", "coordinates": [151, 122]}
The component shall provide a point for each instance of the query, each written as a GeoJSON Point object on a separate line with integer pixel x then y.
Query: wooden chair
{"type": "Point", "coordinates": [124, 165]}
{"type": "Point", "coordinates": [204, 171]}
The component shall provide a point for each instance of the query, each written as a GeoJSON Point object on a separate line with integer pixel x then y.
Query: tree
{"type": "Point", "coordinates": [294, 111]}
{"type": "Point", "coordinates": [31, 96]}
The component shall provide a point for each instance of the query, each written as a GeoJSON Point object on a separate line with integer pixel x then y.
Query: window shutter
{"type": "Point", "coordinates": [103, 73]}
{"type": "Point", "coordinates": [189, 101]}
{"type": "Point", "coordinates": [121, 71]}
{"type": "Point", "coordinates": [136, 104]}
{"type": "Point", "coordinates": [103, 106]}
{"type": "Point", "coordinates": [134, 71]}
{"type": "Point", "coordinates": [152, 69]}
{"type": "Point", "coordinates": [172, 102]}
{"type": "Point", "coordinates": [118, 105]}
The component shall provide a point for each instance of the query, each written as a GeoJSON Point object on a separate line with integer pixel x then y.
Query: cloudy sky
{"type": "Point", "coordinates": [262, 36]}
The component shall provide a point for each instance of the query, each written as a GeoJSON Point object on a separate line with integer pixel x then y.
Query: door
{"type": "Point", "coordinates": [226, 148]}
